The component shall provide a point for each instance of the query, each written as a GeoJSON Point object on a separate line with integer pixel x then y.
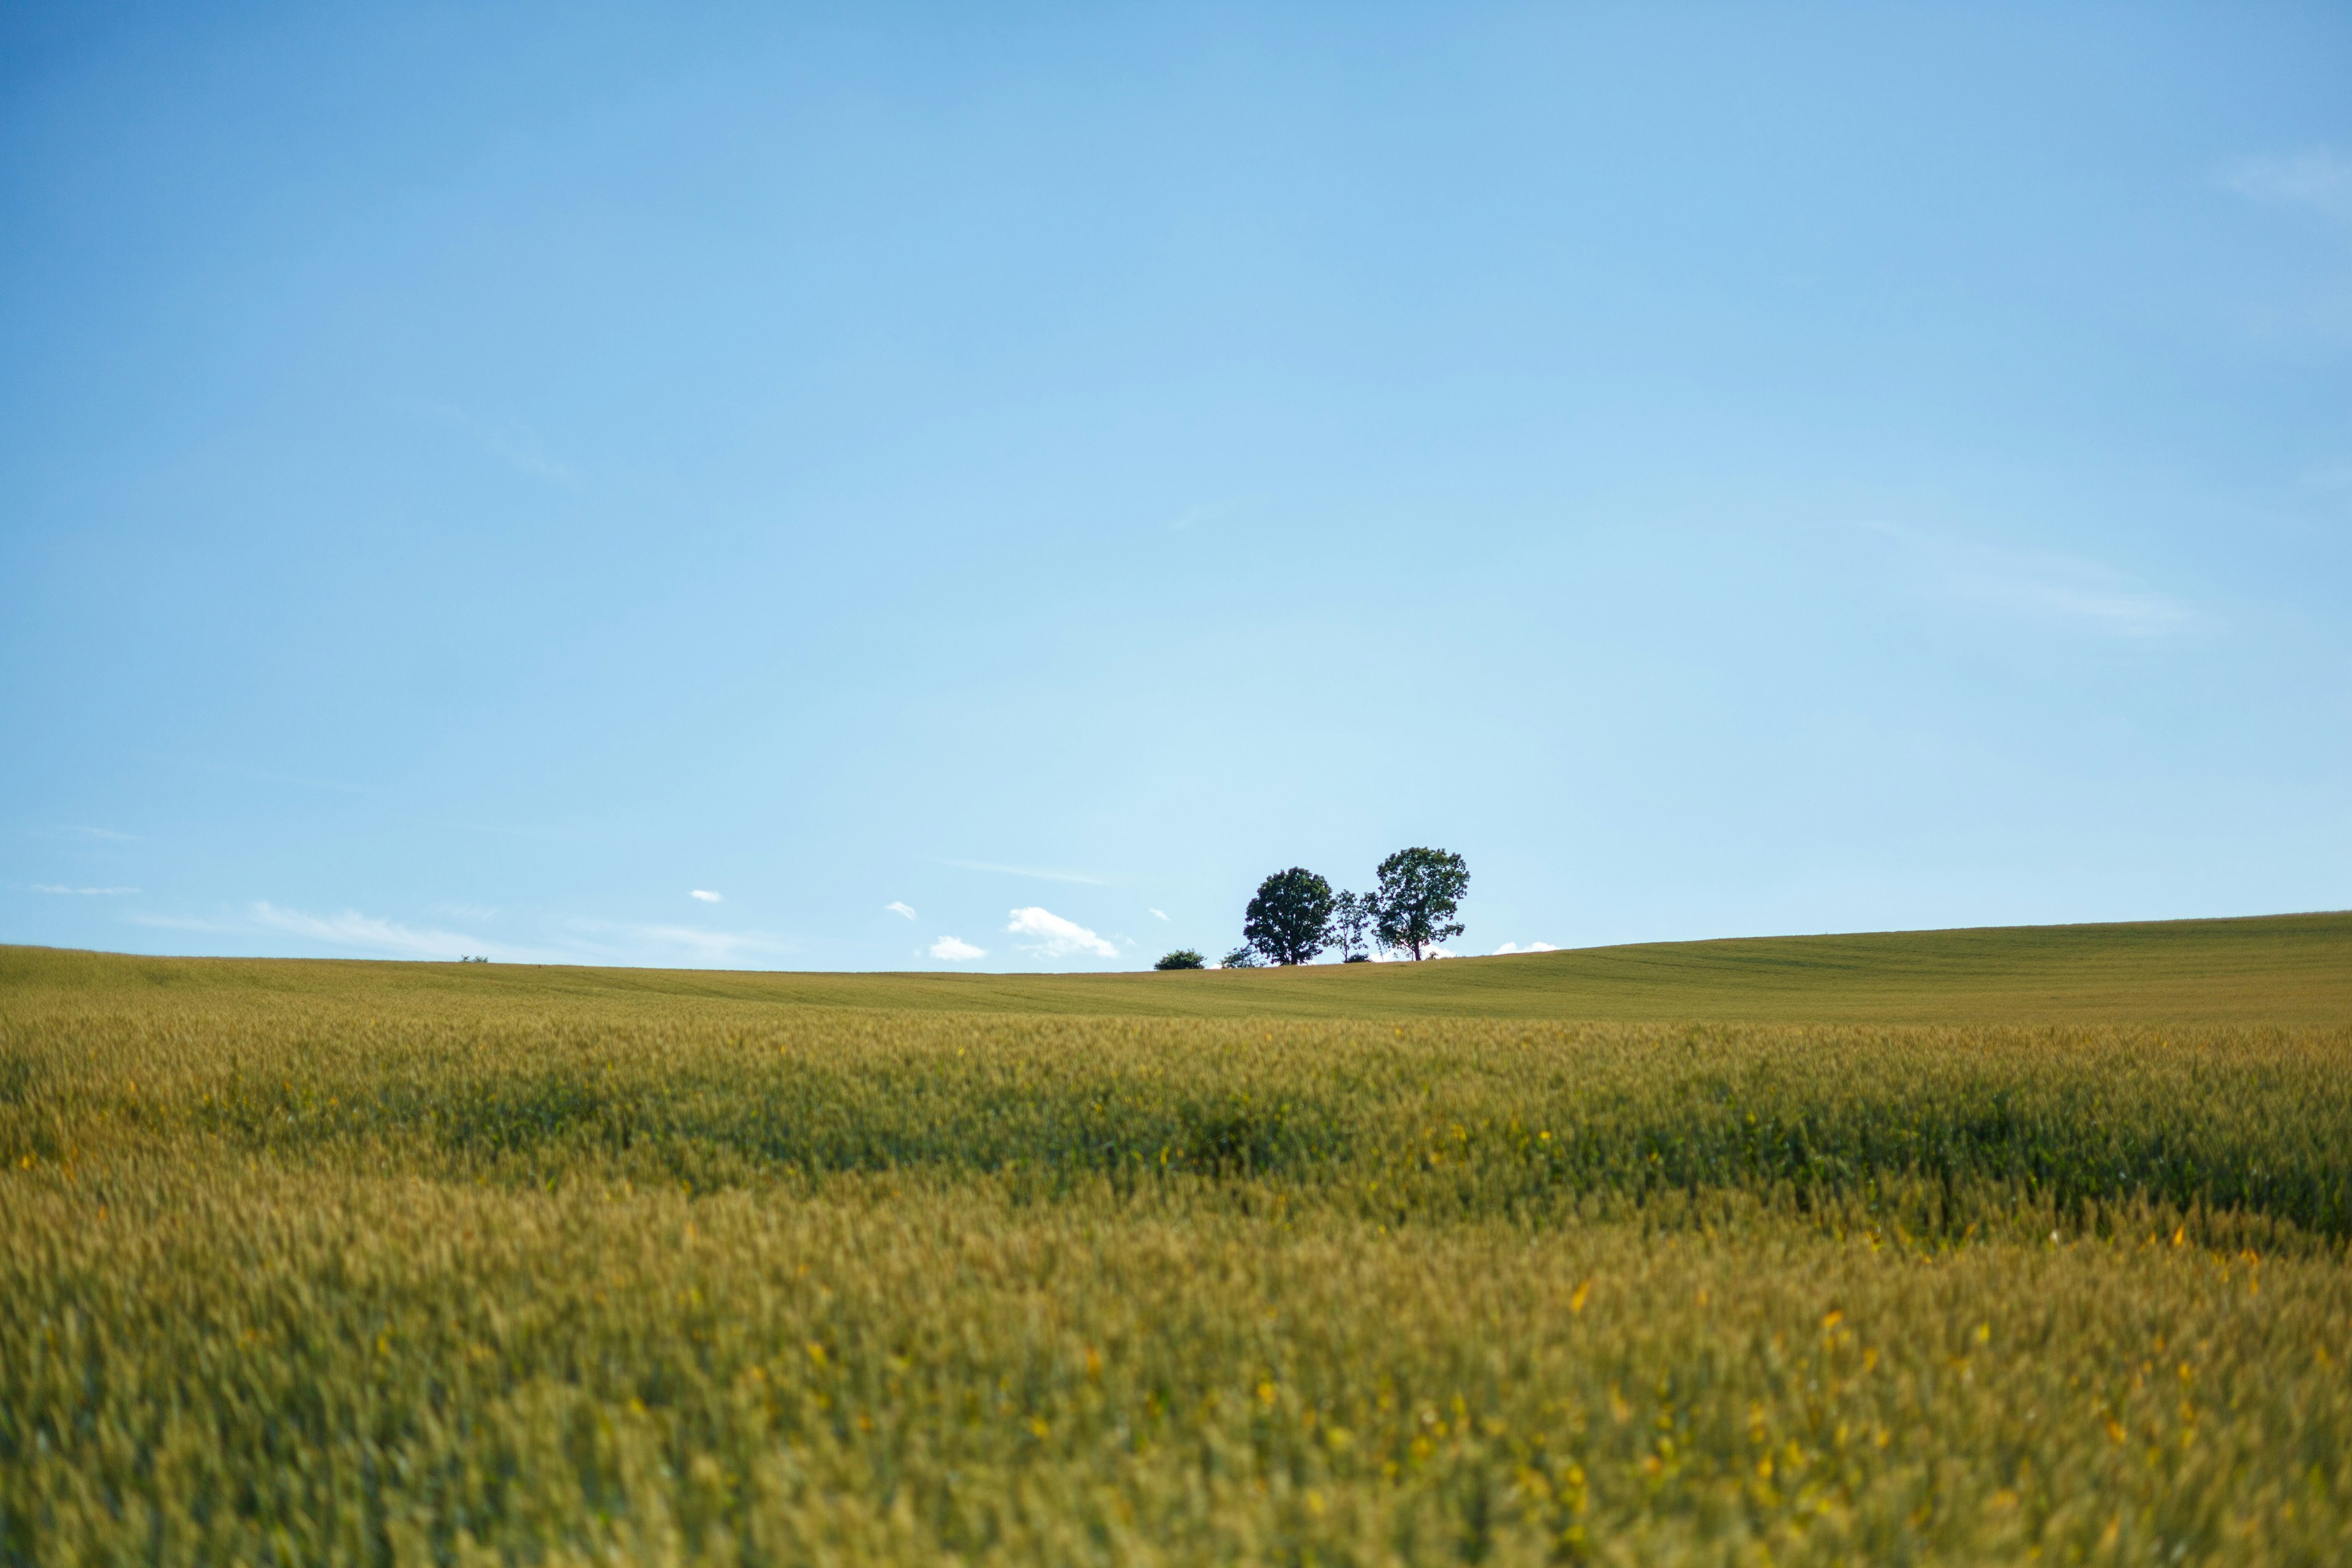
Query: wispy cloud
{"type": "Point", "coordinates": [82, 892]}
{"type": "Point", "coordinates": [467, 911]}
{"type": "Point", "coordinates": [2316, 186]}
{"type": "Point", "coordinates": [584, 942]}
{"type": "Point", "coordinates": [955, 949]}
{"type": "Point", "coordinates": [1056, 937]}
{"type": "Point", "coordinates": [508, 443]}
{"type": "Point", "coordinates": [258, 775]}
{"type": "Point", "coordinates": [1531, 947]}
{"type": "Point", "coordinates": [706, 895]}
{"type": "Point", "coordinates": [367, 933]}
{"type": "Point", "coordinates": [2319, 180]}
{"type": "Point", "coordinates": [2047, 586]}
{"type": "Point", "coordinates": [1037, 873]}
{"type": "Point", "coordinates": [689, 947]}
{"type": "Point", "coordinates": [1158, 914]}
{"type": "Point", "coordinates": [2076, 594]}
{"type": "Point", "coordinates": [896, 908]}
{"type": "Point", "coordinates": [185, 922]}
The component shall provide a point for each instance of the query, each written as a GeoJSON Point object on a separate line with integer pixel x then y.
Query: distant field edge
{"type": "Point", "coordinates": [2289, 969]}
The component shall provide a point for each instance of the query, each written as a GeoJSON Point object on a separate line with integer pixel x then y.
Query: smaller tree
{"type": "Point", "coordinates": [1241, 957]}
{"type": "Point", "coordinates": [1183, 958]}
{"type": "Point", "coordinates": [1419, 890]}
{"type": "Point", "coordinates": [1352, 917]}
{"type": "Point", "coordinates": [1290, 918]}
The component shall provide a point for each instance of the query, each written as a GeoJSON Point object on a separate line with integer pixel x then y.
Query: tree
{"type": "Point", "coordinates": [1290, 918]}
{"type": "Point", "coordinates": [1353, 916]}
{"type": "Point", "coordinates": [1183, 958]}
{"type": "Point", "coordinates": [1241, 957]}
{"type": "Point", "coordinates": [1419, 889]}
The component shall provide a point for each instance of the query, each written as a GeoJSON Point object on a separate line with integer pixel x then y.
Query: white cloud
{"type": "Point", "coordinates": [953, 948]}
{"type": "Point", "coordinates": [1039, 874]}
{"type": "Point", "coordinates": [369, 934]}
{"type": "Point", "coordinates": [1531, 947]}
{"type": "Point", "coordinates": [591, 941]}
{"type": "Point", "coordinates": [1158, 914]}
{"type": "Point", "coordinates": [685, 946]}
{"type": "Point", "coordinates": [706, 895]}
{"type": "Point", "coordinates": [82, 892]}
{"type": "Point", "coordinates": [2319, 180]}
{"type": "Point", "coordinates": [1058, 938]}
{"type": "Point", "coordinates": [896, 908]}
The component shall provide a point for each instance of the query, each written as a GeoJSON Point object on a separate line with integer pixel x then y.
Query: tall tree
{"type": "Point", "coordinates": [1290, 918]}
{"type": "Point", "coordinates": [1351, 925]}
{"type": "Point", "coordinates": [1419, 889]}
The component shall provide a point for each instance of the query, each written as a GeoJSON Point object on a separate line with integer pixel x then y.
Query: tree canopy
{"type": "Point", "coordinates": [1290, 918]}
{"type": "Point", "coordinates": [1419, 891]}
{"type": "Point", "coordinates": [1353, 916]}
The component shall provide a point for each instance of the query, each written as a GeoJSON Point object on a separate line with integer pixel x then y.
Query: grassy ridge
{"type": "Point", "coordinates": [410, 1263]}
{"type": "Point", "coordinates": [2277, 969]}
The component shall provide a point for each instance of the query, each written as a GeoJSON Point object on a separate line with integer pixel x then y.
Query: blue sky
{"type": "Point", "coordinates": [477, 479]}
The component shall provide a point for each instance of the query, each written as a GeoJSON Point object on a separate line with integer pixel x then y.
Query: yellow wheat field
{"type": "Point", "coordinates": [314, 1276]}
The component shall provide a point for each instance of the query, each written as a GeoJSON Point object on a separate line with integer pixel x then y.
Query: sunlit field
{"type": "Point", "coordinates": [1959, 1247]}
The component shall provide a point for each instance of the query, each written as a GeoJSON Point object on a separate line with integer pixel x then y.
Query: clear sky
{"type": "Point", "coordinates": [1000, 481]}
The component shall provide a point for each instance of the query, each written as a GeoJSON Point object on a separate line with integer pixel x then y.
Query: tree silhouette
{"type": "Point", "coordinates": [1419, 891]}
{"type": "Point", "coordinates": [1290, 918]}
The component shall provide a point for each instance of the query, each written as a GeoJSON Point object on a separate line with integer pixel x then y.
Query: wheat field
{"type": "Point", "coordinates": [317, 1263]}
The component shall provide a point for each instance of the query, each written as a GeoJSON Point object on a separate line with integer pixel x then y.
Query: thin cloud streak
{"type": "Point", "coordinates": [2044, 585]}
{"type": "Point", "coordinates": [509, 445]}
{"type": "Point", "coordinates": [82, 892]}
{"type": "Point", "coordinates": [1032, 871]}
{"type": "Point", "coordinates": [687, 946]}
{"type": "Point", "coordinates": [369, 934]}
{"type": "Point", "coordinates": [896, 908]}
{"type": "Point", "coordinates": [2319, 180]}
{"type": "Point", "coordinates": [592, 942]}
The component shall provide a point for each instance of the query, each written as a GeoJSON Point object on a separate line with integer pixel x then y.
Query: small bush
{"type": "Point", "coordinates": [1183, 958]}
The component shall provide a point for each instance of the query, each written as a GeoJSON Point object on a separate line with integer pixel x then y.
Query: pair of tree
{"type": "Point", "coordinates": [1297, 915]}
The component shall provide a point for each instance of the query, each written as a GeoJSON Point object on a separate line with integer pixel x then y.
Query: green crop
{"type": "Point", "coordinates": [399, 1270]}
